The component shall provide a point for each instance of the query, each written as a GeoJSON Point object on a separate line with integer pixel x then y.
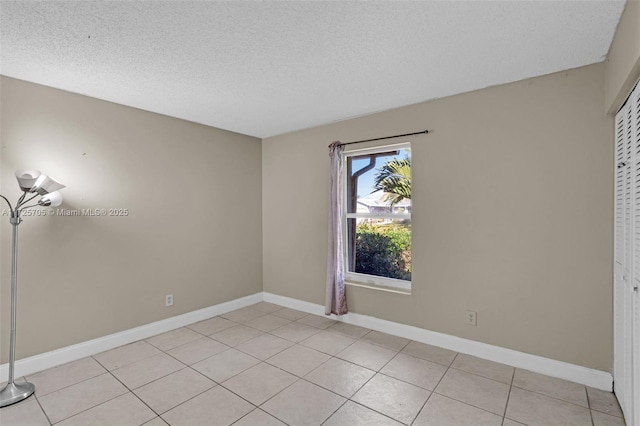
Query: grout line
{"type": "Point", "coordinates": [129, 390]}
{"type": "Point", "coordinates": [464, 402]}
{"type": "Point", "coordinates": [435, 387]}
{"type": "Point", "coordinates": [469, 404]}
{"type": "Point", "coordinates": [270, 356]}
{"type": "Point", "coordinates": [349, 399]}
{"type": "Point", "coordinates": [550, 396]}
{"type": "Point", "coordinates": [194, 396]}
{"type": "Point", "coordinates": [335, 411]}
{"type": "Point", "coordinates": [208, 319]}
{"type": "Point", "coordinates": [589, 406]}
{"type": "Point", "coordinates": [141, 359]}
{"type": "Point", "coordinates": [226, 350]}
{"type": "Point", "coordinates": [421, 408]}
{"type": "Point", "coordinates": [440, 381]}
{"type": "Point", "coordinates": [258, 409]}
{"type": "Point", "coordinates": [93, 406]}
{"type": "Point", "coordinates": [152, 410]}
{"type": "Point", "coordinates": [485, 377]}
{"type": "Point", "coordinates": [42, 408]}
{"type": "Point", "coordinates": [504, 415]}
{"type": "Point", "coordinates": [72, 384]}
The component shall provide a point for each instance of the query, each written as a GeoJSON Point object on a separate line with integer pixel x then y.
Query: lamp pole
{"type": "Point", "coordinates": [14, 392]}
{"type": "Point", "coordinates": [30, 181]}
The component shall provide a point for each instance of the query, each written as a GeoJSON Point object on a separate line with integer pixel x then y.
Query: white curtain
{"type": "Point", "coordinates": [336, 299]}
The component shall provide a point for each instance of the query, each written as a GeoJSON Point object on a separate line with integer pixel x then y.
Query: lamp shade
{"type": "Point", "coordinates": [46, 184]}
{"type": "Point", "coordinates": [52, 199]}
{"type": "Point", "coordinates": [27, 178]}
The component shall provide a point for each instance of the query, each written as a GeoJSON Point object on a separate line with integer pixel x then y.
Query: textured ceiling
{"type": "Point", "coordinates": [266, 68]}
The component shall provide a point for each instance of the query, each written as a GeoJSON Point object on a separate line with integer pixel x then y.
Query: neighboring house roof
{"type": "Point", "coordinates": [377, 199]}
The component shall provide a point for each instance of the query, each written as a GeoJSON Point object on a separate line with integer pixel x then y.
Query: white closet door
{"type": "Point", "coordinates": [627, 259]}
{"type": "Point", "coordinates": [620, 248]}
{"type": "Point", "coordinates": [634, 289]}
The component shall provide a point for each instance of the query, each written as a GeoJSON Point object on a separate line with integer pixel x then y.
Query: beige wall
{"type": "Point", "coordinates": [623, 60]}
{"type": "Point", "coordinates": [512, 216]}
{"type": "Point", "coordinates": [194, 227]}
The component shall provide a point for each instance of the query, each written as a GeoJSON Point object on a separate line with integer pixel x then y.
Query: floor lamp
{"type": "Point", "coordinates": [45, 187]}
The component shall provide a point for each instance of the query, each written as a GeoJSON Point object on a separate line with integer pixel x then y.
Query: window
{"type": "Point", "coordinates": [377, 222]}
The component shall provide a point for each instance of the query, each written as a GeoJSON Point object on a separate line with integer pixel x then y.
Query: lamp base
{"type": "Point", "coordinates": [15, 392]}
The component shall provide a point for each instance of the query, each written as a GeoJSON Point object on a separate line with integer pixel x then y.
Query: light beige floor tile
{"type": "Point", "coordinates": [482, 367]}
{"type": "Point", "coordinates": [353, 414]}
{"type": "Point", "coordinates": [259, 383]}
{"type": "Point", "coordinates": [340, 376]}
{"type": "Point", "coordinates": [236, 335]}
{"type": "Point", "coordinates": [225, 365]}
{"type": "Point", "coordinates": [367, 355]}
{"type": "Point", "coordinates": [295, 331]}
{"type": "Point", "coordinates": [534, 409]}
{"type": "Point", "coordinates": [212, 325]}
{"type": "Point", "coordinates": [125, 410]}
{"type": "Point", "coordinates": [383, 394]}
{"type": "Point", "coordinates": [243, 315]}
{"type": "Point", "coordinates": [348, 330]}
{"type": "Point", "coordinates": [172, 390]}
{"type": "Point", "coordinates": [156, 422]}
{"type": "Point", "coordinates": [290, 314]}
{"type": "Point", "coordinates": [197, 350]}
{"type": "Point", "coordinates": [509, 422]}
{"type": "Point", "coordinates": [416, 371]}
{"type": "Point", "coordinates": [303, 403]}
{"type": "Point", "coordinates": [127, 354]}
{"type": "Point", "coordinates": [267, 323]}
{"type": "Point", "coordinates": [551, 386]}
{"type": "Point", "coordinates": [55, 378]}
{"type": "Point", "coordinates": [430, 353]}
{"type": "Point", "coordinates": [258, 418]}
{"type": "Point", "coordinates": [147, 370]}
{"type": "Point", "coordinates": [329, 343]}
{"type": "Point", "coordinates": [442, 411]}
{"type": "Point", "coordinates": [601, 419]}
{"type": "Point", "coordinates": [474, 390]}
{"type": "Point", "coordinates": [72, 400]}
{"type": "Point", "coordinates": [266, 307]}
{"type": "Point", "coordinates": [298, 360]}
{"type": "Point", "coordinates": [216, 406]}
{"type": "Point", "coordinates": [25, 413]}
{"type": "Point", "coordinates": [317, 321]}
{"type": "Point", "coordinates": [174, 338]}
{"type": "Point", "coordinates": [604, 401]}
{"type": "Point", "coordinates": [385, 340]}
{"type": "Point", "coordinates": [265, 346]}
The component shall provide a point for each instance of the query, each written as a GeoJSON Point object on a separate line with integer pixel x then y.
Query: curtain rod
{"type": "Point", "coordinates": [424, 132]}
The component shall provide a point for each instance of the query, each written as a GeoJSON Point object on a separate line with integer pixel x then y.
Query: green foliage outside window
{"type": "Point", "coordinates": [384, 250]}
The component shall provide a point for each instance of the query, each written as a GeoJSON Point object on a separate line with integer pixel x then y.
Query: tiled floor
{"type": "Point", "coordinates": [268, 365]}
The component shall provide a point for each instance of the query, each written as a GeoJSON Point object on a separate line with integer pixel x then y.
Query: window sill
{"type": "Point", "coordinates": [379, 288]}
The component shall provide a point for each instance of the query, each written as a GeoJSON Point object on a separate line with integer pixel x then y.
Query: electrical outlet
{"type": "Point", "coordinates": [472, 318]}
{"type": "Point", "coordinates": [168, 300]}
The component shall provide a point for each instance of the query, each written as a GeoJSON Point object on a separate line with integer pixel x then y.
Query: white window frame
{"type": "Point", "coordinates": [355, 277]}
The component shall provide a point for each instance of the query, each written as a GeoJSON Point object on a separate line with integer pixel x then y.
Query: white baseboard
{"type": "Point", "coordinates": [550, 367]}
{"type": "Point", "coordinates": [67, 354]}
